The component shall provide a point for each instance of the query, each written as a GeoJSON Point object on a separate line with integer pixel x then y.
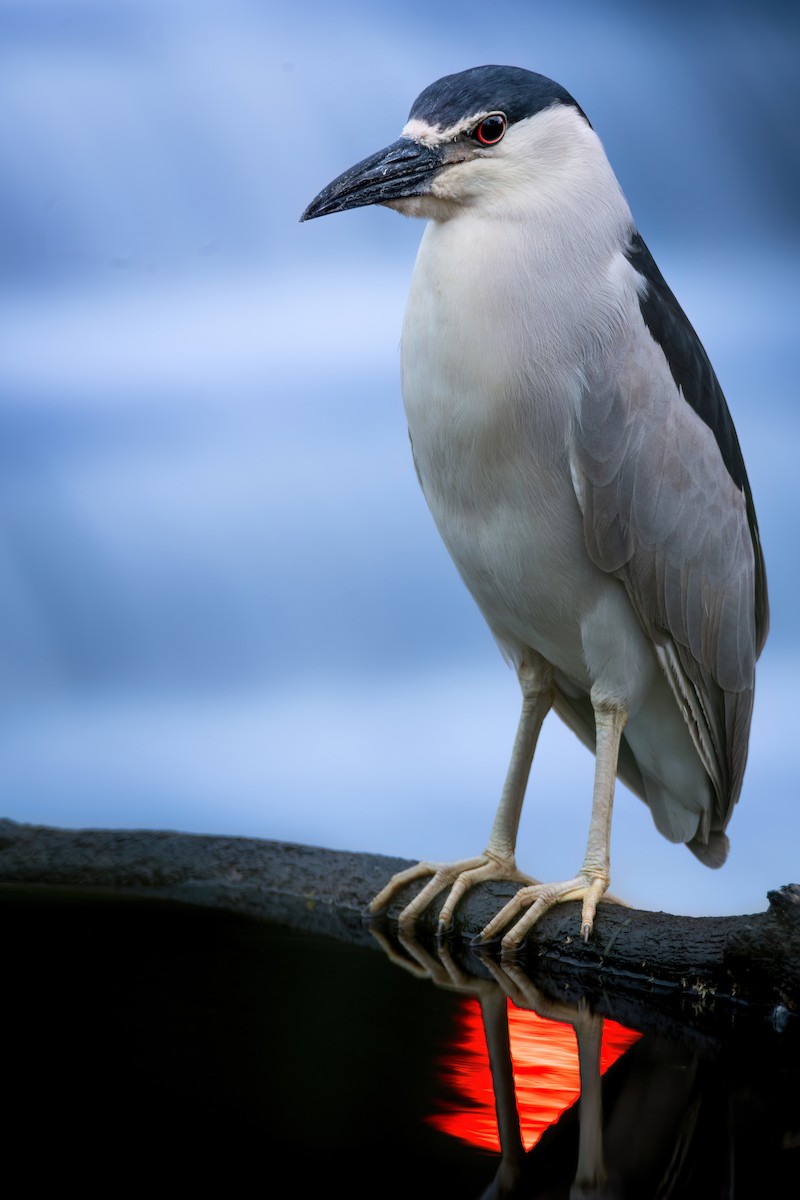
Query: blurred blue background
{"type": "Point", "coordinates": [225, 607]}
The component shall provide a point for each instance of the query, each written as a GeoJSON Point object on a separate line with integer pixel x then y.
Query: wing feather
{"type": "Point", "coordinates": [667, 508]}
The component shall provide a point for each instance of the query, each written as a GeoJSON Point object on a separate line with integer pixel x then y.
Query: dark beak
{"type": "Point", "coordinates": [403, 169]}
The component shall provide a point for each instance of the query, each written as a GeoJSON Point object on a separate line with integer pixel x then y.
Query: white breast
{"type": "Point", "coordinates": [494, 353]}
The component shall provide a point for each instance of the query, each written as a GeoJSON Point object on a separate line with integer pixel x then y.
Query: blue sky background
{"type": "Point", "coordinates": [225, 607]}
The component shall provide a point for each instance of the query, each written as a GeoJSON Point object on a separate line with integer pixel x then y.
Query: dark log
{"type": "Point", "coordinates": [680, 965]}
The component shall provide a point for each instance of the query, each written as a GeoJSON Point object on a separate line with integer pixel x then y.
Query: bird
{"type": "Point", "coordinates": [580, 462]}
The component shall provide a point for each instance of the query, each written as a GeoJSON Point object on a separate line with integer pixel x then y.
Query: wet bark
{"type": "Point", "coordinates": [676, 963]}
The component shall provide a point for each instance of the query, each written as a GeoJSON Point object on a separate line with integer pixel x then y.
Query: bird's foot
{"type": "Point", "coordinates": [459, 877]}
{"type": "Point", "coordinates": [533, 902]}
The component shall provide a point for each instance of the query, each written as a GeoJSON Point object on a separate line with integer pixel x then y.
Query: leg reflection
{"type": "Point", "coordinates": [547, 1083]}
{"type": "Point", "coordinates": [494, 1012]}
{"type": "Point", "coordinates": [591, 1177]}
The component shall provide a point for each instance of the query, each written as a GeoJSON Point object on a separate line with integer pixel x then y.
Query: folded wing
{"type": "Point", "coordinates": [667, 509]}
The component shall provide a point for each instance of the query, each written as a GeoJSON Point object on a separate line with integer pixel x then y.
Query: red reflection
{"type": "Point", "coordinates": [546, 1073]}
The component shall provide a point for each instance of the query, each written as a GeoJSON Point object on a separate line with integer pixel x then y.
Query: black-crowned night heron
{"type": "Point", "coordinates": [582, 467]}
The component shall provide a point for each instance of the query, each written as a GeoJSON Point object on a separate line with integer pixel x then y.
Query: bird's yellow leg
{"type": "Point", "coordinates": [497, 861]}
{"type": "Point", "coordinates": [591, 882]}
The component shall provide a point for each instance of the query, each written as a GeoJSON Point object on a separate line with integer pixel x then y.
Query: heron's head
{"type": "Point", "coordinates": [488, 139]}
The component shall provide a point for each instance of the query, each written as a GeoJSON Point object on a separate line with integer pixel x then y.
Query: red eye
{"type": "Point", "coordinates": [491, 130]}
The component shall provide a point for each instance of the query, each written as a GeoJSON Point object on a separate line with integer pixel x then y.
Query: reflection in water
{"type": "Point", "coordinates": [178, 1044]}
{"type": "Point", "coordinates": [711, 1111]}
{"type": "Point", "coordinates": [576, 1075]}
{"type": "Point", "coordinates": [544, 1056]}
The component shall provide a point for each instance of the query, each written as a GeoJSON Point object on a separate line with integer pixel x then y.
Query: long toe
{"type": "Point", "coordinates": [531, 903]}
{"type": "Point", "coordinates": [441, 875]}
{"type": "Point", "coordinates": [458, 877]}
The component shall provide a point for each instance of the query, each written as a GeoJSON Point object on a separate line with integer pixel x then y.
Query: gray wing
{"type": "Point", "coordinates": [667, 509]}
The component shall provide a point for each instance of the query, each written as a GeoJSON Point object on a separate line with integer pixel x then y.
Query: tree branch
{"type": "Point", "coordinates": [676, 964]}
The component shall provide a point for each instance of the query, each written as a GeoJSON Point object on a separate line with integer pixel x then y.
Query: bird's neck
{"type": "Point", "coordinates": [504, 313]}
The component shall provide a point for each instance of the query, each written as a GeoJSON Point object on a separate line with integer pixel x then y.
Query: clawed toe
{"type": "Point", "coordinates": [516, 918]}
{"type": "Point", "coordinates": [459, 877]}
{"type": "Point", "coordinates": [531, 903]}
